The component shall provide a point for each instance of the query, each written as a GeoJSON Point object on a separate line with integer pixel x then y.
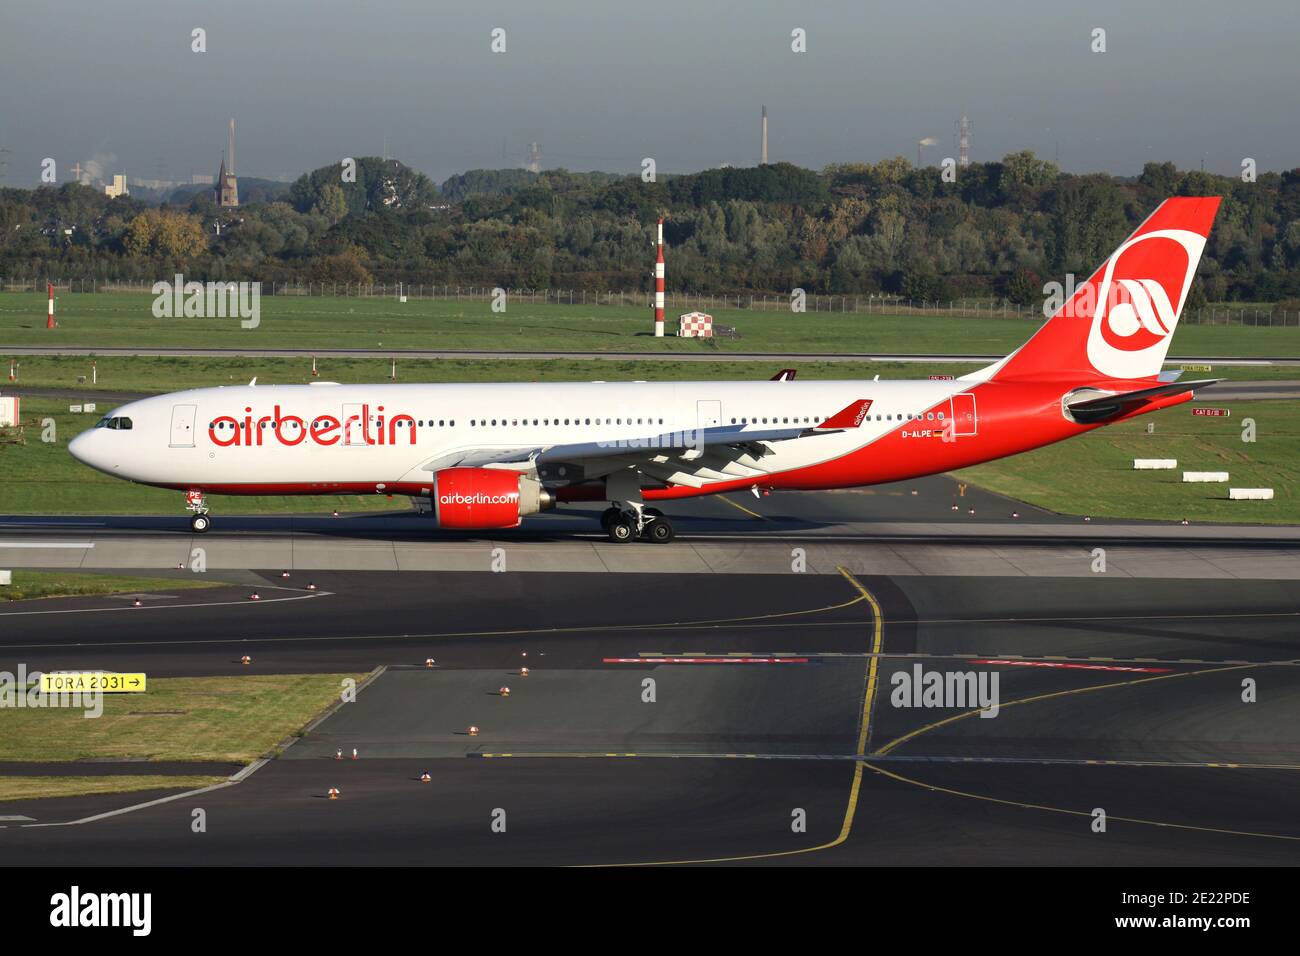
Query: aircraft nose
{"type": "Point", "coordinates": [79, 447]}
{"type": "Point", "coordinates": [88, 449]}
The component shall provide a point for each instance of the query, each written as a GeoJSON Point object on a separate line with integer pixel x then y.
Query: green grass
{"type": "Point", "coordinates": [40, 788]}
{"type": "Point", "coordinates": [1094, 475]}
{"type": "Point", "coordinates": [166, 374]}
{"type": "Point", "coordinates": [42, 478]}
{"type": "Point", "coordinates": [47, 584]}
{"type": "Point", "coordinates": [98, 320]}
{"type": "Point", "coordinates": [231, 719]}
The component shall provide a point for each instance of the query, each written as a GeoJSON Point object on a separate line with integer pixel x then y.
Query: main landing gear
{"type": "Point", "coordinates": [200, 521]}
{"type": "Point", "coordinates": [641, 524]}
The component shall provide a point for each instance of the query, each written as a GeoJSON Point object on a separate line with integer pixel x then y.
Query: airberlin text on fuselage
{"type": "Point", "coordinates": [325, 429]}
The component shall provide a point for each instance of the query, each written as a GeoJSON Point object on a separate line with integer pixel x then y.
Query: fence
{"type": "Point", "coordinates": [870, 304]}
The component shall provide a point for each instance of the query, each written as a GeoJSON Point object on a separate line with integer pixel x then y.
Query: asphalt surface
{"type": "Point", "coordinates": [767, 708]}
{"type": "Point", "coordinates": [774, 730]}
{"type": "Point", "coordinates": [931, 526]}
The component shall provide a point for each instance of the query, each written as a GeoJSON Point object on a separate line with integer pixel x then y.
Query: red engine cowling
{"type": "Point", "coordinates": [481, 499]}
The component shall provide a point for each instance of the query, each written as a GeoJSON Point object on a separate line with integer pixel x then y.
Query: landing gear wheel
{"type": "Point", "coordinates": [607, 517]}
{"type": "Point", "coordinates": [660, 531]}
{"type": "Point", "coordinates": [200, 523]}
{"type": "Point", "coordinates": [621, 530]}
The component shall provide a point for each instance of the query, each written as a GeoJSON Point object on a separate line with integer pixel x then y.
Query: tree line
{"type": "Point", "coordinates": [1000, 230]}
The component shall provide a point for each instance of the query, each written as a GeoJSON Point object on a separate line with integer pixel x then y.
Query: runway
{"type": "Point", "coordinates": [773, 703]}
{"type": "Point", "coordinates": [775, 633]}
{"type": "Point", "coordinates": [1226, 390]}
{"type": "Point", "coordinates": [931, 526]}
{"type": "Point", "coordinates": [620, 356]}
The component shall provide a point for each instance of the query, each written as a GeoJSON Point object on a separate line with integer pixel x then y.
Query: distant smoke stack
{"type": "Point", "coordinates": [763, 156]}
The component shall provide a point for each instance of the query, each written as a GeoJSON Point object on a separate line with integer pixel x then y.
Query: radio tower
{"type": "Point", "coordinates": [963, 141]}
{"type": "Point", "coordinates": [763, 154]}
{"type": "Point", "coordinates": [659, 282]}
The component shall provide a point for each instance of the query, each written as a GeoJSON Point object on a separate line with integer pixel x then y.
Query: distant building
{"type": "Point", "coordinates": [117, 187]}
{"type": "Point", "coordinates": [226, 189]}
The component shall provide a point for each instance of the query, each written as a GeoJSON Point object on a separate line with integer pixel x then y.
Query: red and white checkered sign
{"type": "Point", "coordinates": [697, 325]}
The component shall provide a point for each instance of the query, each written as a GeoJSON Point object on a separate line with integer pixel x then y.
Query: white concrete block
{"type": "Point", "coordinates": [1205, 476]}
{"type": "Point", "coordinates": [1250, 494]}
{"type": "Point", "coordinates": [1145, 464]}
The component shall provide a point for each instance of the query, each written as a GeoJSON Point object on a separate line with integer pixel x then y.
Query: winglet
{"type": "Point", "coordinates": [785, 375]}
{"type": "Point", "coordinates": [849, 417]}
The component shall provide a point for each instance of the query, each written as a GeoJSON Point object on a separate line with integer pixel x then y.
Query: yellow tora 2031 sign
{"type": "Point", "coordinates": [101, 681]}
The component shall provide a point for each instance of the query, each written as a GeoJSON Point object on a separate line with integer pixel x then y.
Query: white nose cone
{"type": "Point", "coordinates": [79, 447]}
{"type": "Point", "coordinates": [89, 449]}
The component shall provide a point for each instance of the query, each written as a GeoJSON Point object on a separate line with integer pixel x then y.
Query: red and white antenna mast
{"type": "Point", "coordinates": [659, 282]}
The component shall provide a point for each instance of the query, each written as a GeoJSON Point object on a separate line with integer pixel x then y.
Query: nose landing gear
{"type": "Point", "coordinates": [197, 503]}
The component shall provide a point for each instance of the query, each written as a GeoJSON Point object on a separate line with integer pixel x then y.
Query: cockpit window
{"type": "Point", "coordinates": [117, 423]}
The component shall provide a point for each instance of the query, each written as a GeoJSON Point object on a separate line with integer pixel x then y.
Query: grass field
{"type": "Point", "coordinates": [98, 320]}
{"type": "Point", "coordinates": [165, 374]}
{"type": "Point", "coordinates": [39, 788]}
{"type": "Point", "coordinates": [41, 478]}
{"type": "Point", "coordinates": [46, 584]}
{"type": "Point", "coordinates": [229, 719]}
{"type": "Point", "coordinates": [1094, 475]}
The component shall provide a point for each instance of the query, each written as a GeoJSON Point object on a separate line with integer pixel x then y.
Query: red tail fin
{"type": "Point", "coordinates": [1120, 322]}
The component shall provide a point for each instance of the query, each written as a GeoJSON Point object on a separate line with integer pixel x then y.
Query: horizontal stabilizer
{"type": "Point", "coordinates": [1110, 406]}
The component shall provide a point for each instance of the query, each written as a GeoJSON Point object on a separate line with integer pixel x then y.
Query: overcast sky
{"type": "Point", "coordinates": [600, 84]}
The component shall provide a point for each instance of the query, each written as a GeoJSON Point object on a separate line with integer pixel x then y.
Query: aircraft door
{"type": "Point", "coordinates": [708, 414]}
{"type": "Point", "coordinates": [965, 420]}
{"type": "Point", "coordinates": [183, 426]}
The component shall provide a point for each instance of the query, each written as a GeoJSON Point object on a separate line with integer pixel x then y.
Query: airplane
{"type": "Point", "coordinates": [484, 456]}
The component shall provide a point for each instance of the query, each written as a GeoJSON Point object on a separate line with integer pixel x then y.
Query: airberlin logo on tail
{"type": "Point", "coordinates": [1142, 289]}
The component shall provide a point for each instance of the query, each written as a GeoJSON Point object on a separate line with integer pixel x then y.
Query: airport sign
{"type": "Point", "coordinates": [105, 682]}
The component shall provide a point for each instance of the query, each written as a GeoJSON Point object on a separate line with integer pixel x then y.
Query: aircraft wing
{"type": "Point", "coordinates": [688, 444]}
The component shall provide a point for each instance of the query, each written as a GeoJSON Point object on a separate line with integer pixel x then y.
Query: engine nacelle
{"type": "Point", "coordinates": [482, 499]}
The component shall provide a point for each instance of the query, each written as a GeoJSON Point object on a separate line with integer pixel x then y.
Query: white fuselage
{"type": "Point", "coordinates": [248, 438]}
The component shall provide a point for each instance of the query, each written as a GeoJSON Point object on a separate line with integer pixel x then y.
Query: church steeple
{"type": "Point", "coordinates": [227, 188]}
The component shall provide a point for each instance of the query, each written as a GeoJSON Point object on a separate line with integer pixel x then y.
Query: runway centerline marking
{"type": "Point", "coordinates": [864, 731]}
{"type": "Point", "coordinates": [1078, 813]}
{"type": "Point", "coordinates": [885, 750]}
{"type": "Point", "coordinates": [913, 734]}
{"type": "Point", "coordinates": [71, 545]}
{"type": "Point", "coordinates": [740, 507]}
{"type": "Point", "coordinates": [753, 620]}
{"type": "Point", "coordinates": [159, 607]}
